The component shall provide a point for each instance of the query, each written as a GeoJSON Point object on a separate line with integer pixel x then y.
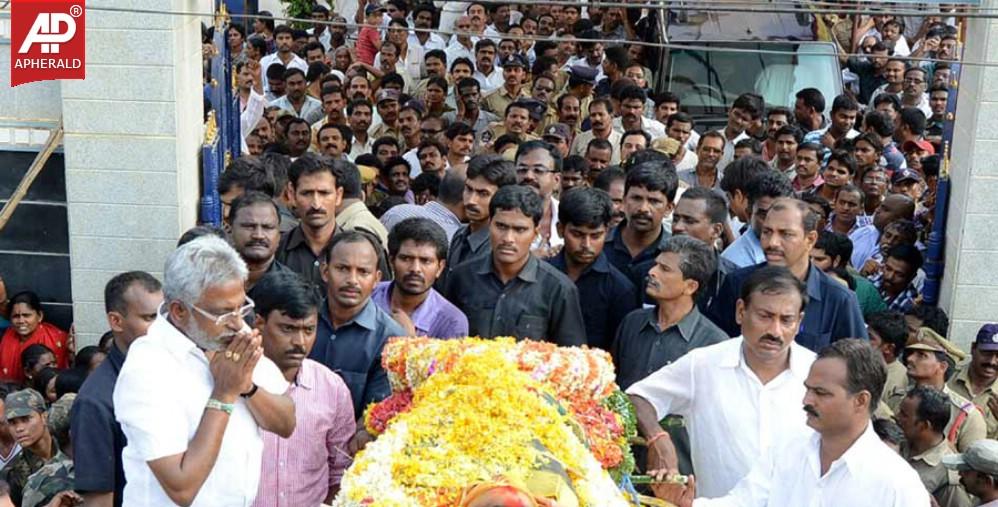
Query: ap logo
{"type": "Point", "coordinates": [50, 30]}
{"type": "Point", "coordinates": [50, 39]}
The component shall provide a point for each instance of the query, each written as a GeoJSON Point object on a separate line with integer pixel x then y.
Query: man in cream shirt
{"type": "Point", "coordinates": [196, 390]}
{"type": "Point", "coordinates": [739, 397]}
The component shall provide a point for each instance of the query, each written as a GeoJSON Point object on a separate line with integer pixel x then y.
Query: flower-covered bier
{"type": "Point", "coordinates": [477, 418]}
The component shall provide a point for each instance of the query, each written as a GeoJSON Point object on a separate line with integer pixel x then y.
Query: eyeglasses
{"type": "Point", "coordinates": [430, 132]}
{"type": "Point", "coordinates": [540, 171]}
{"type": "Point", "coordinates": [240, 314]}
{"type": "Point", "coordinates": [914, 81]}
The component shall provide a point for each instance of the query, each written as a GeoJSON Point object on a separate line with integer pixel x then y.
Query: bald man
{"type": "Point", "coordinates": [894, 207]}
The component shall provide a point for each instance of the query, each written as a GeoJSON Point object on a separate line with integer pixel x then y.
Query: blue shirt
{"type": "Point", "coordinates": [434, 317]}
{"type": "Point", "coordinates": [865, 241]}
{"type": "Point", "coordinates": [832, 312]}
{"type": "Point", "coordinates": [606, 295]}
{"type": "Point", "coordinates": [96, 435]}
{"type": "Point", "coordinates": [354, 352]}
{"type": "Point", "coordinates": [635, 268]}
{"type": "Point", "coordinates": [745, 251]}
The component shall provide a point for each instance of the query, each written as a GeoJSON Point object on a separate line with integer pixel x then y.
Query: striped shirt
{"type": "Point", "coordinates": [298, 470]}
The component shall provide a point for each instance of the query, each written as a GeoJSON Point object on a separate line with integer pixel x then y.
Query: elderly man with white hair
{"type": "Point", "coordinates": [196, 390]}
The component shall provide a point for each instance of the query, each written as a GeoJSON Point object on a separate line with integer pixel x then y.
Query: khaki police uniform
{"type": "Point", "coordinates": [943, 484]}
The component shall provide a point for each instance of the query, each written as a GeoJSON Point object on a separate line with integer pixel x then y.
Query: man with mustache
{"type": "Point", "coordinates": [739, 397]}
{"type": "Point", "coordinates": [632, 117]}
{"type": "Point", "coordinates": [333, 140]}
{"type": "Point", "coordinates": [296, 101]}
{"type": "Point", "coordinates": [255, 235]}
{"type": "Point", "coordinates": [701, 213]}
{"type": "Point", "coordinates": [314, 188]}
{"type": "Point", "coordinates": [298, 137]}
{"type": "Point", "coordinates": [510, 292]}
{"type": "Point", "coordinates": [284, 56]}
{"type": "Point", "coordinates": [514, 71]}
{"type": "Point", "coordinates": [417, 249]}
{"type": "Point", "coordinates": [538, 166]}
{"type": "Point", "coordinates": [848, 206]}
{"type": "Point", "coordinates": [976, 380]}
{"type": "Point", "coordinates": [841, 462]}
{"type": "Point", "coordinates": [583, 218]}
{"type": "Point", "coordinates": [922, 416]}
{"type": "Point", "coordinates": [788, 235]}
{"type": "Point", "coordinates": [760, 190]}
{"type": "Point", "coordinates": [196, 391]}
{"type": "Point", "coordinates": [633, 246]}
{"type": "Point", "coordinates": [287, 313]}
{"type": "Point", "coordinates": [600, 116]}
{"type": "Point", "coordinates": [930, 358]}
{"type": "Point", "coordinates": [359, 114]}
{"type": "Point", "coordinates": [352, 329]}
{"type": "Point", "coordinates": [486, 175]}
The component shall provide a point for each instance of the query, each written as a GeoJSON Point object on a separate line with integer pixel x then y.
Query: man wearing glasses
{"type": "Point", "coordinates": [196, 391]}
{"type": "Point", "coordinates": [913, 93]}
{"type": "Point", "coordinates": [538, 166]}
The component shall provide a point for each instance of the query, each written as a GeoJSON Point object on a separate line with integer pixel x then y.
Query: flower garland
{"type": "Point", "coordinates": [472, 411]}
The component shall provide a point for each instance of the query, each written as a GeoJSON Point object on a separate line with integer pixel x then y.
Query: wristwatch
{"type": "Point", "coordinates": [249, 394]}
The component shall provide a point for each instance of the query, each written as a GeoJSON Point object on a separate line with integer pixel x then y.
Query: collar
{"type": "Point", "coordinates": [295, 238]}
{"type": "Point", "coordinates": [814, 282]}
{"type": "Point", "coordinates": [686, 325]}
{"type": "Point", "coordinates": [527, 274]}
{"type": "Point", "coordinates": [478, 238]}
{"type": "Point", "coordinates": [173, 339]}
{"type": "Point", "coordinates": [800, 360]}
{"type": "Point", "coordinates": [963, 377]}
{"type": "Point", "coordinates": [116, 357]}
{"type": "Point", "coordinates": [600, 265]}
{"type": "Point", "coordinates": [859, 454]}
{"type": "Point", "coordinates": [934, 455]}
{"type": "Point", "coordinates": [304, 379]}
{"type": "Point", "coordinates": [366, 318]}
{"type": "Point", "coordinates": [351, 211]}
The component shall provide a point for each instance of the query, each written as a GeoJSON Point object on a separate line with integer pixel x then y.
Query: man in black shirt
{"type": "Point", "coordinates": [604, 291]}
{"type": "Point", "coordinates": [131, 300]}
{"type": "Point", "coordinates": [648, 196]}
{"type": "Point", "coordinates": [486, 175]}
{"type": "Point", "coordinates": [701, 213]}
{"type": "Point", "coordinates": [510, 292]}
{"type": "Point", "coordinates": [313, 185]}
{"type": "Point", "coordinates": [255, 223]}
{"type": "Point", "coordinates": [651, 338]}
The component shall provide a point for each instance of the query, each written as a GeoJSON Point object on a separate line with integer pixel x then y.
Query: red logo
{"type": "Point", "coordinates": [48, 40]}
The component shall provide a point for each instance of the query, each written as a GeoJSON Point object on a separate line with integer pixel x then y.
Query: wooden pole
{"type": "Point", "coordinates": [55, 137]}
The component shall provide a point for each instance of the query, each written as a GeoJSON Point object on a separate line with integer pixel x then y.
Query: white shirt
{"type": "Point", "coordinates": [159, 400]}
{"type": "Point", "coordinates": [493, 81]}
{"type": "Point", "coordinates": [868, 474]}
{"type": "Point", "coordinates": [435, 41]}
{"type": "Point", "coordinates": [729, 147]}
{"type": "Point", "coordinates": [297, 62]}
{"type": "Point", "coordinates": [554, 240]}
{"type": "Point", "coordinates": [457, 50]}
{"type": "Point", "coordinates": [653, 127]}
{"type": "Point", "coordinates": [250, 116]}
{"type": "Point", "coordinates": [732, 418]}
{"type": "Point", "coordinates": [689, 162]}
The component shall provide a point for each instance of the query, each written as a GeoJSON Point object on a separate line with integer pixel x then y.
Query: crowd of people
{"type": "Point", "coordinates": [492, 169]}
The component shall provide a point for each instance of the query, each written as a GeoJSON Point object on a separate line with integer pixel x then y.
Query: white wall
{"type": "Point", "coordinates": [970, 283]}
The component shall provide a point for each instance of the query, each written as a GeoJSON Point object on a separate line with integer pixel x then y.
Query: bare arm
{"type": "Point", "coordinates": [661, 452]}
{"type": "Point", "coordinates": [273, 412]}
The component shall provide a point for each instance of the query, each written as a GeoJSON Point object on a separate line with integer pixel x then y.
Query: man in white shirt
{"type": "Point", "coordinates": [747, 108]}
{"type": "Point", "coordinates": [632, 105]}
{"type": "Point", "coordinates": [739, 397]}
{"type": "Point", "coordinates": [842, 462]}
{"type": "Point", "coordinates": [488, 75]}
{"type": "Point", "coordinates": [284, 39]}
{"type": "Point", "coordinates": [196, 392]}
{"type": "Point", "coordinates": [538, 166]}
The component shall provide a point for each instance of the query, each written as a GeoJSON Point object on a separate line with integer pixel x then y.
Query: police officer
{"type": "Point", "coordinates": [929, 358]}
{"type": "Point", "coordinates": [976, 380]}
{"type": "Point", "coordinates": [514, 71]}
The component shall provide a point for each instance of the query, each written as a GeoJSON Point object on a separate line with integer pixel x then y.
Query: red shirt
{"type": "Point", "coordinates": [366, 50]}
{"type": "Point", "coordinates": [11, 348]}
